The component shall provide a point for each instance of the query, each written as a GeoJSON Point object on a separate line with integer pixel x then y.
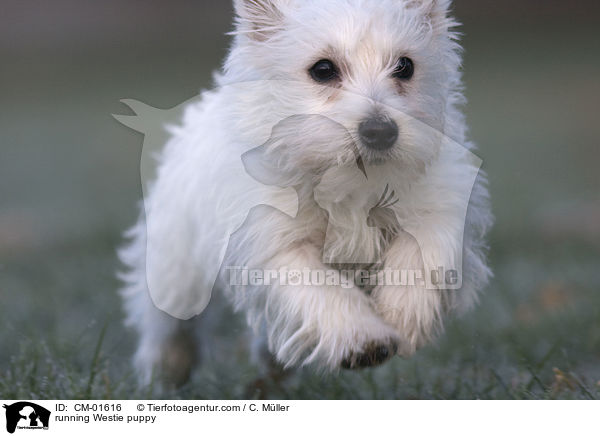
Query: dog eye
{"type": "Point", "coordinates": [405, 69]}
{"type": "Point", "coordinates": [324, 71]}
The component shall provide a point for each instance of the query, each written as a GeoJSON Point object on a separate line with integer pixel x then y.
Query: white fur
{"type": "Point", "coordinates": [265, 81]}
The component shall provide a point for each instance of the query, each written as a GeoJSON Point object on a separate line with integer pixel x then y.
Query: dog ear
{"type": "Point", "coordinates": [435, 10]}
{"type": "Point", "coordinates": [259, 19]}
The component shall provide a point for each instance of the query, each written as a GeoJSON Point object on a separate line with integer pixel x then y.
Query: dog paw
{"type": "Point", "coordinates": [374, 354]}
{"type": "Point", "coordinates": [178, 360]}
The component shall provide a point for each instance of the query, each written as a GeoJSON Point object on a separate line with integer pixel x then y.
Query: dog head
{"type": "Point", "coordinates": [386, 70]}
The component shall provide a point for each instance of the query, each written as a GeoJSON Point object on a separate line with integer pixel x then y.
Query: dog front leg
{"type": "Point", "coordinates": [421, 272]}
{"type": "Point", "coordinates": [329, 324]}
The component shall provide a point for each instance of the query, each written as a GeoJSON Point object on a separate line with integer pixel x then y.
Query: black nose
{"type": "Point", "coordinates": [378, 133]}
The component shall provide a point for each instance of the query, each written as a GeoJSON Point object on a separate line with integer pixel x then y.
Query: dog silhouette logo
{"type": "Point", "coordinates": [28, 416]}
{"type": "Point", "coordinates": [277, 175]}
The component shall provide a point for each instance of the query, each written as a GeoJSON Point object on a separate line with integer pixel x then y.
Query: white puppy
{"type": "Point", "coordinates": [353, 106]}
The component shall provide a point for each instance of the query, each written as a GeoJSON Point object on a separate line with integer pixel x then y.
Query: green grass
{"type": "Point", "coordinates": [535, 335]}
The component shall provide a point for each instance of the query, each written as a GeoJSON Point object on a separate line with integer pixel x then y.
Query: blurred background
{"type": "Point", "coordinates": [69, 185]}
